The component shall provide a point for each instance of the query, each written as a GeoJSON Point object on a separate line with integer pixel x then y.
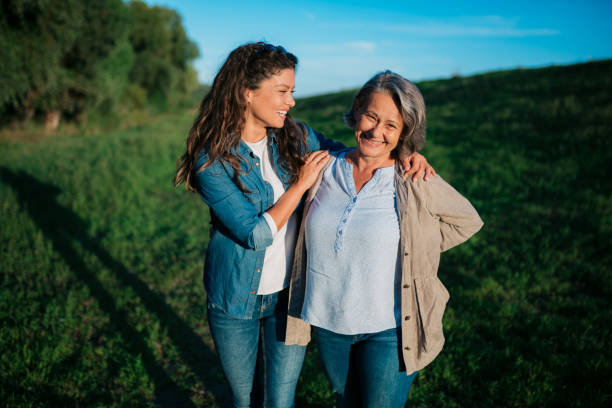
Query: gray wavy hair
{"type": "Point", "coordinates": [409, 101]}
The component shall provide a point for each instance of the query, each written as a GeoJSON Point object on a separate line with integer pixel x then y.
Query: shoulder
{"type": "Point", "coordinates": [435, 188]}
{"type": "Point", "coordinates": [341, 153]}
{"type": "Point", "coordinates": [204, 166]}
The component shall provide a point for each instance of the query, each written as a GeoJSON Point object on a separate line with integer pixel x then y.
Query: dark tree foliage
{"type": "Point", "coordinates": [162, 54]}
{"type": "Point", "coordinates": [59, 54]}
{"type": "Point", "coordinates": [73, 58]}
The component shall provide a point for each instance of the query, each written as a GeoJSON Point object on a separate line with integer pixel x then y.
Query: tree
{"type": "Point", "coordinates": [58, 53]}
{"type": "Point", "coordinates": [69, 58]}
{"type": "Point", "coordinates": [163, 54]}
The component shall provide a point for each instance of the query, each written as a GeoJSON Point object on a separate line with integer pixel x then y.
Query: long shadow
{"type": "Point", "coordinates": [62, 227]}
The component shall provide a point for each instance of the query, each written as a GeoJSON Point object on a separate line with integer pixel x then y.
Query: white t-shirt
{"type": "Point", "coordinates": [279, 256]}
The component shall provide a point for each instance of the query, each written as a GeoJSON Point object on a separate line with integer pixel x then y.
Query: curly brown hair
{"type": "Point", "coordinates": [222, 115]}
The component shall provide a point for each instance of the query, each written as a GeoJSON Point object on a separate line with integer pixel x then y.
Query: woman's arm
{"type": "Point", "coordinates": [239, 215]}
{"type": "Point", "coordinates": [316, 141]}
{"type": "Point", "coordinates": [284, 207]}
{"type": "Point", "coordinates": [416, 165]}
{"type": "Point", "coordinates": [458, 218]}
{"type": "Point", "coordinates": [231, 207]}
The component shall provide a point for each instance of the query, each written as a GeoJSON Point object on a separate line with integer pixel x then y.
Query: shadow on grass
{"type": "Point", "coordinates": [62, 227]}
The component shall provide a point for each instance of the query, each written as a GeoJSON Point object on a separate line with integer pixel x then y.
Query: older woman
{"type": "Point", "coordinates": [366, 260]}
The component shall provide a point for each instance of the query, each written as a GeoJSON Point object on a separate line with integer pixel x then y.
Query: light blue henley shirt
{"type": "Point", "coordinates": [353, 273]}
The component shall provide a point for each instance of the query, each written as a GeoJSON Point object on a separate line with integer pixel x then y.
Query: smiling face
{"type": "Point", "coordinates": [267, 106]}
{"type": "Point", "coordinates": [378, 126]}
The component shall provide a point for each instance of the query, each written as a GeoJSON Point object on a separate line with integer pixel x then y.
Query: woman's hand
{"type": "Point", "coordinates": [416, 165]}
{"type": "Point", "coordinates": [311, 168]}
{"type": "Point", "coordinates": [284, 207]}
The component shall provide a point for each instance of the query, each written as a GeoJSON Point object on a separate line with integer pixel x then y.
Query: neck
{"type": "Point", "coordinates": [252, 132]}
{"type": "Point", "coordinates": [368, 164]}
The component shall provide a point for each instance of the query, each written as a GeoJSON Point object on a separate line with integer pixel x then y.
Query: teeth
{"type": "Point", "coordinates": [282, 113]}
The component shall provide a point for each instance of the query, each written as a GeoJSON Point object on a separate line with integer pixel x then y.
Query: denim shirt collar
{"type": "Point", "coordinates": [244, 150]}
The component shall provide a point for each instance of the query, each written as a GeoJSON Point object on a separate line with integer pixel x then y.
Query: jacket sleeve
{"type": "Point", "coordinates": [229, 204]}
{"type": "Point", "coordinates": [458, 218]}
{"type": "Point", "coordinates": [316, 141]}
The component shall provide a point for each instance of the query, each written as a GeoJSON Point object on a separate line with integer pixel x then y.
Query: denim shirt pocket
{"type": "Point", "coordinates": [254, 197]}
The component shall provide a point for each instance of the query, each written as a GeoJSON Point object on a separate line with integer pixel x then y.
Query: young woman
{"type": "Point", "coordinates": [365, 273]}
{"type": "Point", "coordinates": [250, 162]}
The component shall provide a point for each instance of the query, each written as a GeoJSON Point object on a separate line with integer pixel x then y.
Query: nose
{"type": "Point", "coordinates": [290, 101]}
{"type": "Point", "coordinates": [378, 131]}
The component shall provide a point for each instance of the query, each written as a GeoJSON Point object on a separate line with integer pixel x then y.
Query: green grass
{"type": "Point", "coordinates": [101, 259]}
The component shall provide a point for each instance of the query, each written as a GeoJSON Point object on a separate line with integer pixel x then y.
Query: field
{"type": "Point", "coordinates": [101, 259]}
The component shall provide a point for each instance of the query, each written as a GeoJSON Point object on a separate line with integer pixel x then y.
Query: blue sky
{"type": "Point", "coordinates": [341, 44]}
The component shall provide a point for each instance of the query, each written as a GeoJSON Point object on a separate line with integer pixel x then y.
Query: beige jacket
{"type": "Point", "coordinates": [433, 217]}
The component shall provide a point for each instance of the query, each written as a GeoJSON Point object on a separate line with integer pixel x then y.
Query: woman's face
{"type": "Point", "coordinates": [378, 126]}
{"type": "Point", "coordinates": [267, 106]}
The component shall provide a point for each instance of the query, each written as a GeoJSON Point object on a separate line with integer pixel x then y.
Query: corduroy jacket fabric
{"type": "Point", "coordinates": [433, 217]}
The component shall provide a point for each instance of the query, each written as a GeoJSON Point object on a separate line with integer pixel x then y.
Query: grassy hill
{"type": "Point", "coordinates": [101, 260]}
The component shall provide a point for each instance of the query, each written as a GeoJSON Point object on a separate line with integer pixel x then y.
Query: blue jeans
{"type": "Point", "coordinates": [365, 370]}
{"type": "Point", "coordinates": [244, 343]}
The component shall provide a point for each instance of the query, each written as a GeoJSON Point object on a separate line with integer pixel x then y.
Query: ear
{"type": "Point", "coordinates": [248, 94]}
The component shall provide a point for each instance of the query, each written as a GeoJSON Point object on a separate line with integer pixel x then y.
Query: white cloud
{"type": "Point", "coordinates": [454, 30]}
{"type": "Point", "coordinates": [485, 26]}
{"type": "Point", "coordinates": [362, 46]}
{"type": "Point", "coordinates": [310, 16]}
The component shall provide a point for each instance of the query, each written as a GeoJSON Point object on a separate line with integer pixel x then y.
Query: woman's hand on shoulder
{"type": "Point", "coordinates": [416, 165]}
{"type": "Point", "coordinates": [314, 163]}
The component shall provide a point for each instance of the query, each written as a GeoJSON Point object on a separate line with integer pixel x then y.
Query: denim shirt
{"type": "Point", "coordinates": [239, 232]}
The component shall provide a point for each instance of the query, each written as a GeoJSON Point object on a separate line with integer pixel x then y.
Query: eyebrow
{"type": "Point", "coordinates": [377, 117]}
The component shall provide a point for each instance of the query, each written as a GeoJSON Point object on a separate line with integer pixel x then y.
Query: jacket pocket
{"type": "Point", "coordinates": [431, 299]}
{"type": "Point", "coordinates": [254, 197]}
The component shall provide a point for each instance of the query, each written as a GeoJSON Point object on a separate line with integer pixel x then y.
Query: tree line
{"type": "Point", "coordinates": [71, 59]}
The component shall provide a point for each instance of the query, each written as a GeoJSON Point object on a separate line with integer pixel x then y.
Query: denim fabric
{"type": "Point", "coordinates": [365, 370]}
{"type": "Point", "coordinates": [241, 343]}
{"type": "Point", "coordinates": [239, 232]}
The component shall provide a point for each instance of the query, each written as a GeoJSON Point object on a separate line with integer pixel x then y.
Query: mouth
{"type": "Point", "coordinates": [368, 139]}
{"type": "Point", "coordinates": [282, 114]}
